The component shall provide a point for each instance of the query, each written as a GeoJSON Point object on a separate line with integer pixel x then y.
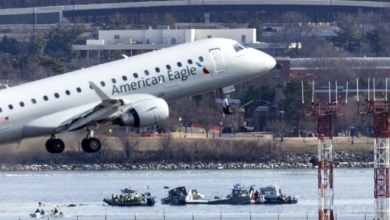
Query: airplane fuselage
{"type": "Point", "coordinates": [49, 106]}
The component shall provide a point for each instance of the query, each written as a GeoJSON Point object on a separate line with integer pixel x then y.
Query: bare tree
{"type": "Point", "coordinates": [294, 31]}
{"type": "Point", "coordinates": [128, 145]}
{"type": "Point", "coordinates": [165, 141]}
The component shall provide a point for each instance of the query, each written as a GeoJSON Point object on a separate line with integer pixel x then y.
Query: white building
{"type": "Point", "coordinates": [170, 36]}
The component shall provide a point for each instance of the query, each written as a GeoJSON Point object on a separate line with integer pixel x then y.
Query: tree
{"type": "Point", "coordinates": [210, 116]}
{"type": "Point", "coordinates": [256, 23]}
{"type": "Point", "coordinates": [117, 22]}
{"type": "Point", "coordinates": [9, 45]}
{"type": "Point", "coordinates": [292, 105]}
{"type": "Point", "coordinates": [258, 95]}
{"type": "Point", "coordinates": [128, 145]}
{"type": "Point", "coordinates": [294, 31]}
{"type": "Point", "coordinates": [37, 44]}
{"type": "Point", "coordinates": [379, 40]}
{"type": "Point", "coordinates": [60, 40]}
{"type": "Point", "coordinates": [350, 35]}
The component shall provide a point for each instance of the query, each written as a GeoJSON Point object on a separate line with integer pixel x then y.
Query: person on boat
{"type": "Point", "coordinates": [37, 211]}
{"type": "Point", "coordinates": [256, 195]}
{"type": "Point", "coordinates": [136, 196]}
{"type": "Point", "coordinates": [42, 212]}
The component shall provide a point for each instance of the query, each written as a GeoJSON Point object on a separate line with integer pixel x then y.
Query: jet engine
{"type": "Point", "coordinates": [144, 113]}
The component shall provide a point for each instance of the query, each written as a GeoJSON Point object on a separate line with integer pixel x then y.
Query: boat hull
{"type": "Point", "coordinates": [148, 202]}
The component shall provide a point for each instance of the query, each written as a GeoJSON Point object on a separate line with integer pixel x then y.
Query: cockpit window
{"type": "Point", "coordinates": [238, 47]}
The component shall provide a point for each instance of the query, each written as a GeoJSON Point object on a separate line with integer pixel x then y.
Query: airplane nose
{"type": "Point", "coordinates": [269, 62]}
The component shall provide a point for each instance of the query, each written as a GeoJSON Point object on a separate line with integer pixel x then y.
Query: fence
{"type": "Point", "coordinates": [207, 216]}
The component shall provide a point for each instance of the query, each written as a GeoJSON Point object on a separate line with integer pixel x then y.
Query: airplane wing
{"type": "Point", "coordinates": [108, 110]}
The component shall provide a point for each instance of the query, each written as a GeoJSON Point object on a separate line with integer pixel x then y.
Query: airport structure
{"type": "Point", "coordinates": [380, 111]}
{"type": "Point", "coordinates": [169, 36]}
{"type": "Point", "coordinates": [326, 114]}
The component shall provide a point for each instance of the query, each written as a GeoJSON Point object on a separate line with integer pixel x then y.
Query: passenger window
{"type": "Point", "coordinates": [1, 110]}
{"type": "Point", "coordinates": [189, 61]}
{"type": "Point", "coordinates": [113, 80]}
{"type": "Point", "coordinates": [124, 78]}
{"type": "Point", "coordinates": [11, 107]}
{"type": "Point", "coordinates": [56, 95]}
{"type": "Point", "coordinates": [168, 67]}
{"type": "Point", "coordinates": [33, 101]}
{"type": "Point", "coordinates": [102, 83]}
{"type": "Point", "coordinates": [146, 72]}
{"type": "Point", "coordinates": [78, 89]}
{"type": "Point", "coordinates": [157, 69]}
{"type": "Point", "coordinates": [90, 86]}
{"type": "Point", "coordinates": [201, 59]}
{"type": "Point", "coordinates": [45, 98]}
{"type": "Point", "coordinates": [67, 92]}
{"type": "Point", "coordinates": [21, 104]}
{"type": "Point", "coordinates": [135, 75]}
{"type": "Point", "coordinates": [178, 64]}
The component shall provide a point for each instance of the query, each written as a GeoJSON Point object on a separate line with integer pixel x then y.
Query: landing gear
{"type": "Point", "coordinates": [55, 145]}
{"type": "Point", "coordinates": [227, 109]}
{"type": "Point", "coordinates": [90, 144]}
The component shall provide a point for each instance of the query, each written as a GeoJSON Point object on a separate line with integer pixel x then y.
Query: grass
{"type": "Point", "coordinates": [194, 147]}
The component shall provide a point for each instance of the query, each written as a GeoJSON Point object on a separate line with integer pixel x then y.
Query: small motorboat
{"type": "Point", "coordinates": [127, 190]}
{"type": "Point", "coordinates": [131, 199]}
{"type": "Point", "coordinates": [39, 213]}
{"type": "Point", "coordinates": [273, 195]}
{"type": "Point", "coordinates": [55, 214]}
{"type": "Point", "coordinates": [240, 195]}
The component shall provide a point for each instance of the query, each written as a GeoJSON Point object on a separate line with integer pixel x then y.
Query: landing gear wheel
{"type": "Point", "coordinates": [55, 146]}
{"type": "Point", "coordinates": [84, 145]}
{"type": "Point", "coordinates": [228, 109]}
{"type": "Point", "coordinates": [90, 145]}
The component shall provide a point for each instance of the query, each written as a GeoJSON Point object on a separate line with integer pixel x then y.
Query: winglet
{"type": "Point", "coordinates": [99, 92]}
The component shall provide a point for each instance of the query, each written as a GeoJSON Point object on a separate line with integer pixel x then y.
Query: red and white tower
{"type": "Point", "coordinates": [380, 110]}
{"type": "Point", "coordinates": [326, 114]}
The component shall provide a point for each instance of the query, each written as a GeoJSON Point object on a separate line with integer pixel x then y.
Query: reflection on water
{"type": "Point", "coordinates": [21, 191]}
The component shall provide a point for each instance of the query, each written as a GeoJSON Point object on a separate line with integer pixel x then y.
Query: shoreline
{"type": "Point", "coordinates": [190, 153]}
{"type": "Point", "coordinates": [344, 159]}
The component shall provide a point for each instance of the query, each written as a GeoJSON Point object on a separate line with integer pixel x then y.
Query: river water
{"type": "Point", "coordinates": [20, 192]}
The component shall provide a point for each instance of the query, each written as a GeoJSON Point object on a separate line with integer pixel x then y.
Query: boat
{"type": "Point", "coordinates": [127, 189]}
{"type": "Point", "coordinates": [273, 195]}
{"type": "Point", "coordinates": [39, 213]}
{"type": "Point", "coordinates": [55, 214]}
{"type": "Point", "coordinates": [240, 195]}
{"type": "Point", "coordinates": [194, 197]}
{"type": "Point", "coordinates": [131, 199]}
{"type": "Point", "coordinates": [176, 196]}
{"type": "Point", "coordinates": [180, 196]}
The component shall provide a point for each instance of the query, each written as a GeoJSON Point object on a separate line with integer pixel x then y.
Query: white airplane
{"type": "Point", "coordinates": [127, 92]}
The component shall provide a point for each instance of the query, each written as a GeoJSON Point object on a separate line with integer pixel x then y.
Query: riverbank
{"type": "Point", "coordinates": [192, 152]}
